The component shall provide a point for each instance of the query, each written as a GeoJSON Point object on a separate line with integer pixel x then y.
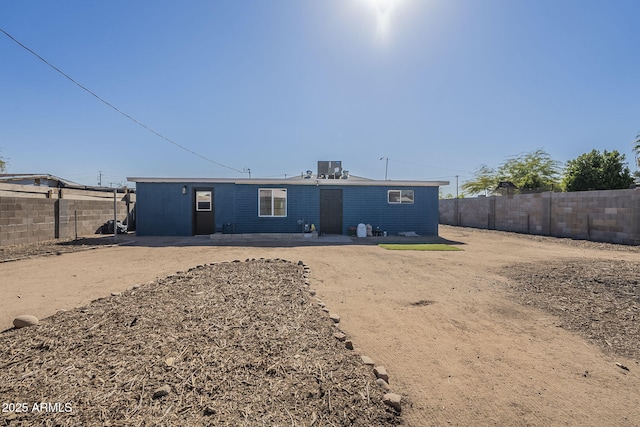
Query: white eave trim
{"type": "Point", "coordinates": [318, 182]}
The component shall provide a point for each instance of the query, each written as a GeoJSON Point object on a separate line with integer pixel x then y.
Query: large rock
{"type": "Point", "coordinates": [381, 373]}
{"type": "Point", "coordinates": [367, 360]}
{"type": "Point", "coordinates": [25, 320]}
{"type": "Point", "coordinates": [383, 384]}
{"type": "Point", "coordinates": [393, 400]}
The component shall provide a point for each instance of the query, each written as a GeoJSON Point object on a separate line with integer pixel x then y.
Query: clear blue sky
{"type": "Point", "coordinates": [439, 87]}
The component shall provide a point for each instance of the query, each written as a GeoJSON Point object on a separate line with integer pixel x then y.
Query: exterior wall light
{"type": "Point", "coordinates": [184, 189]}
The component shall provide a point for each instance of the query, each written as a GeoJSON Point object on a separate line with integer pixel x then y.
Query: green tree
{"type": "Point", "coordinates": [597, 171]}
{"type": "Point", "coordinates": [3, 165]}
{"type": "Point", "coordinates": [484, 181]}
{"type": "Point", "coordinates": [529, 171]}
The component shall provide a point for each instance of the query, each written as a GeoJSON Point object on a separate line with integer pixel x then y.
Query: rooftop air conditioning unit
{"type": "Point", "coordinates": [329, 169]}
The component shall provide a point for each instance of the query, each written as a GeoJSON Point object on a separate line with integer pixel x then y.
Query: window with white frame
{"type": "Point", "coordinates": [272, 202]}
{"type": "Point", "coordinates": [397, 197]}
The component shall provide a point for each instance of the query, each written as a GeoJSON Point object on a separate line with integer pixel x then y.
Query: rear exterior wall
{"type": "Point", "coordinates": [163, 209]}
{"type": "Point", "coordinates": [368, 205]}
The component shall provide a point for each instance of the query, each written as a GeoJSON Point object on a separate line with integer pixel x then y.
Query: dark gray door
{"type": "Point", "coordinates": [331, 211]}
{"type": "Point", "coordinates": [203, 213]}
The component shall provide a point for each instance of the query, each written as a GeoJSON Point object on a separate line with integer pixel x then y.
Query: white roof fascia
{"type": "Point", "coordinates": [318, 182]}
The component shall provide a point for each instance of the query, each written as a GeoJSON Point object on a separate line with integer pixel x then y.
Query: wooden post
{"type": "Point", "coordinates": [115, 215]}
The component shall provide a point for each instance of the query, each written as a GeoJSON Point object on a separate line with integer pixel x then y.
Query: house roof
{"type": "Point", "coordinates": [48, 180]}
{"type": "Point", "coordinates": [13, 177]}
{"type": "Point", "coordinates": [351, 181]}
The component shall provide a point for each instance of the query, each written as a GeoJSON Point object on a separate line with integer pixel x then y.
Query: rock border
{"type": "Point", "coordinates": [393, 400]}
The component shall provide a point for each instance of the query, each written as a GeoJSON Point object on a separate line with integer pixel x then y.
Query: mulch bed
{"type": "Point", "coordinates": [229, 344]}
{"type": "Point", "coordinates": [52, 247]}
{"type": "Point", "coordinates": [599, 299]}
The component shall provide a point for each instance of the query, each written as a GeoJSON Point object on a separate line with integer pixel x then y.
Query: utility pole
{"type": "Point", "coordinates": [99, 178]}
{"type": "Point", "coordinates": [386, 167]}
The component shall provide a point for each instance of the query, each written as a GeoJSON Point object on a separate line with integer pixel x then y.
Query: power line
{"type": "Point", "coordinates": [427, 166]}
{"type": "Point", "coordinates": [116, 108]}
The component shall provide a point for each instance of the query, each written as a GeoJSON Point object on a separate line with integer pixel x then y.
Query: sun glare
{"type": "Point", "coordinates": [383, 10]}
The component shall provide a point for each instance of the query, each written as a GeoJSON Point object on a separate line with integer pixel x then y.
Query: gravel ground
{"type": "Point", "coordinates": [57, 247]}
{"type": "Point", "coordinates": [222, 370]}
{"type": "Point", "coordinates": [599, 299]}
{"type": "Point", "coordinates": [556, 240]}
{"type": "Point", "coordinates": [53, 247]}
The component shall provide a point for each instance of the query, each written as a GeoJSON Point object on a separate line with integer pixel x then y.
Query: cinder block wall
{"type": "Point", "coordinates": [521, 214]}
{"type": "Point", "coordinates": [86, 216]}
{"type": "Point", "coordinates": [26, 220]}
{"type": "Point", "coordinates": [605, 216]}
{"type": "Point", "coordinates": [474, 212]}
{"type": "Point", "coordinates": [33, 218]}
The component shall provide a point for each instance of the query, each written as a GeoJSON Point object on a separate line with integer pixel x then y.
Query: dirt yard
{"type": "Point", "coordinates": [514, 330]}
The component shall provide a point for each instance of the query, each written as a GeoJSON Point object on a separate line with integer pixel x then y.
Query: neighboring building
{"type": "Point", "coordinates": [44, 180]}
{"type": "Point", "coordinates": [182, 207]}
{"type": "Point", "coordinates": [39, 181]}
{"type": "Point", "coordinates": [41, 207]}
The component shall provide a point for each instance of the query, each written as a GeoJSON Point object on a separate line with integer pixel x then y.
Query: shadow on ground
{"type": "Point", "coordinates": [258, 241]}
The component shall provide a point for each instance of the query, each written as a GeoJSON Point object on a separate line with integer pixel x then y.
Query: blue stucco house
{"type": "Point", "coordinates": [183, 207]}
